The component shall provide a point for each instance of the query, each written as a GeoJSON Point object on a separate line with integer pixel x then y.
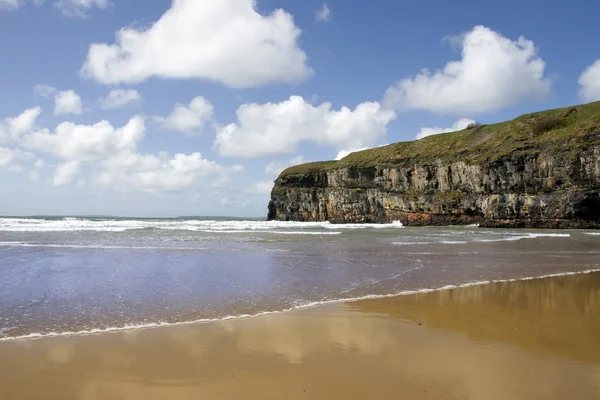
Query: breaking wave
{"type": "Point", "coordinates": [71, 224]}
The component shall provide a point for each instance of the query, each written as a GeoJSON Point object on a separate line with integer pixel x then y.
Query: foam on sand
{"type": "Point", "coordinates": [129, 327]}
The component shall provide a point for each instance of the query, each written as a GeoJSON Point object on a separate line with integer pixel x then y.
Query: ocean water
{"type": "Point", "coordinates": [61, 276]}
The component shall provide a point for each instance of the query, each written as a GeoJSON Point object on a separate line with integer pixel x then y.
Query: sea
{"type": "Point", "coordinates": [68, 276]}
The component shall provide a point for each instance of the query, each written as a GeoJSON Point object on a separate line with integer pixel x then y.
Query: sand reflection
{"type": "Point", "coordinates": [521, 340]}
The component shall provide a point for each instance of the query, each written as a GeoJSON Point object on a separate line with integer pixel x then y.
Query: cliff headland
{"type": "Point", "coordinates": [540, 170]}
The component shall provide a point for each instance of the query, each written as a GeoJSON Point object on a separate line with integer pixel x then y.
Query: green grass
{"type": "Point", "coordinates": [566, 129]}
{"type": "Point", "coordinates": [309, 167]}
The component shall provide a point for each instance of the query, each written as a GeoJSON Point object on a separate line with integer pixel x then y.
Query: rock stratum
{"type": "Point", "coordinates": [540, 170]}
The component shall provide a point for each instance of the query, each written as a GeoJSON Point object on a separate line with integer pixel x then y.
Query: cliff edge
{"type": "Point", "coordinates": [538, 170]}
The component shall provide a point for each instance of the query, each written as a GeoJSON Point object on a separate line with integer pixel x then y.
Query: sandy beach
{"type": "Point", "coordinates": [534, 339]}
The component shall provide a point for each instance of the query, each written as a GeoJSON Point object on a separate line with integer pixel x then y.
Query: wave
{"type": "Point", "coordinates": [71, 224]}
{"type": "Point", "coordinates": [129, 327]}
{"type": "Point", "coordinates": [484, 240]}
{"type": "Point", "coordinates": [107, 247]}
{"type": "Point", "coordinates": [527, 236]}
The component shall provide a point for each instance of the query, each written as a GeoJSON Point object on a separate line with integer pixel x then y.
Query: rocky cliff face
{"type": "Point", "coordinates": [539, 177]}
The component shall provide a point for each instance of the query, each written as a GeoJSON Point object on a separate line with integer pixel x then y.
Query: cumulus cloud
{"type": "Point", "coordinates": [11, 129]}
{"type": "Point", "coordinates": [72, 142]}
{"type": "Point", "coordinates": [324, 13]}
{"type": "Point", "coordinates": [65, 173]}
{"type": "Point", "coordinates": [457, 126]}
{"type": "Point", "coordinates": [11, 5]}
{"type": "Point", "coordinates": [111, 152]}
{"type": "Point", "coordinates": [589, 80]}
{"type": "Point", "coordinates": [260, 188]}
{"type": "Point", "coordinates": [119, 98]}
{"type": "Point", "coordinates": [494, 72]}
{"type": "Point", "coordinates": [10, 158]}
{"type": "Point", "coordinates": [225, 41]}
{"type": "Point", "coordinates": [157, 173]}
{"type": "Point", "coordinates": [67, 102]}
{"type": "Point", "coordinates": [344, 152]}
{"type": "Point", "coordinates": [44, 90]}
{"type": "Point", "coordinates": [78, 8]}
{"type": "Point", "coordinates": [69, 8]}
{"type": "Point", "coordinates": [234, 202]}
{"type": "Point", "coordinates": [37, 167]}
{"type": "Point", "coordinates": [274, 168]}
{"type": "Point", "coordinates": [277, 128]}
{"type": "Point", "coordinates": [189, 119]}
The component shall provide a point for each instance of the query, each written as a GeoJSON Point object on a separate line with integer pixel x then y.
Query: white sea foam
{"type": "Point", "coordinates": [411, 243]}
{"type": "Point", "coordinates": [101, 247]}
{"type": "Point", "coordinates": [296, 307]}
{"type": "Point", "coordinates": [113, 225]}
{"type": "Point", "coordinates": [527, 236]}
{"type": "Point", "coordinates": [593, 233]}
{"type": "Point", "coordinates": [510, 238]}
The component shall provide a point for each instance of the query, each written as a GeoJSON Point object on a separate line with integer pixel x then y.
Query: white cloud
{"type": "Point", "coordinates": [275, 167]}
{"type": "Point", "coordinates": [272, 170]}
{"type": "Point", "coordinates": [71, 142]}
{"type": "Point", "coordinates": [112, 155]}
{"type": "Point", "coordinates": [11, 129]}
{"type": "Point", "coordinates": [69, 8]}
{"type": "Point", "coordinates": [38, 166]}
{"type": "Point", "coordinates": [157, 173]}
{"type": "Point", "coordinates": [324, 13]}
{"type": "Point", "coordinates": [44, 90]}
{"type": "Point", "coordinates": [65, 173]}
{"type": "Point", "coordinates": [78, 8]}
{"type": "Point", "coordinates": [277, 128]}
{"type": "Point", "coordinates": [10, 158]}
{"type": "Point", "coordinates": [344, 152]}
{"type": "Point", "coordinates": [225, 41]}
{"type": "Point", "coordinates": [11, 5]}
{"type": "Point", "coordinates": [189, 119]}
{"type": "Point", "coordinates": [119, 98]}
{"type": "Point", "coordinates": [457, 126]}
{"type": "Point", "coordinates": [260, 188]}
{"type": "Point", "coordinates": [590, 83]}
{"type": "Point", "coordinates": [67, 102]}
{"type": "Point", "coordinates": [234, 202]}
{"type": "Point", "coordinates": [494, 72]}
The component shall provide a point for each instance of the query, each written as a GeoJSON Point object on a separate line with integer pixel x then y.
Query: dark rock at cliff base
{"type": "Point", "coordinates": [539, 170]}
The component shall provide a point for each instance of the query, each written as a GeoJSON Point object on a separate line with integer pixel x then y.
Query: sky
{"type": "Point", "coordinates": [193, 107]}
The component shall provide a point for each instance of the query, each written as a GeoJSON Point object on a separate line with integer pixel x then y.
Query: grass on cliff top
{"type": "Point", "coordinates": [565, 129]}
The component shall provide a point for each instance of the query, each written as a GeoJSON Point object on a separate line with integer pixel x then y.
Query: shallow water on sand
{"type": "Point", "coordinates": [520, 340]}
{"type": "Point", "coordinates": [62, 275]}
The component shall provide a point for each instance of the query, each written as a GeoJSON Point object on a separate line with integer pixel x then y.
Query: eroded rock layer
{"type": "Point", "coordinates": [539, 170]}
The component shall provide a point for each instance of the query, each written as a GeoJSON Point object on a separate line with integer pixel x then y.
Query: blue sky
{"type": "Point", "coordinates": [155, 108]}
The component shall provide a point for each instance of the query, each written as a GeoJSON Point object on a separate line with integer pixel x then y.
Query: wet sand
{"type": "Point", "coordinates": [537, 339]}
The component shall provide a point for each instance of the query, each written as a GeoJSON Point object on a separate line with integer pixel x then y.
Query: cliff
{"type": "Point", "coordinates": [538, 170]}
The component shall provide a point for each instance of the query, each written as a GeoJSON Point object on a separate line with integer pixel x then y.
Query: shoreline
{"type": "Point", "coordinates": [311, 305]}
{"type": "Point", "coordinates": [509, 339]}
